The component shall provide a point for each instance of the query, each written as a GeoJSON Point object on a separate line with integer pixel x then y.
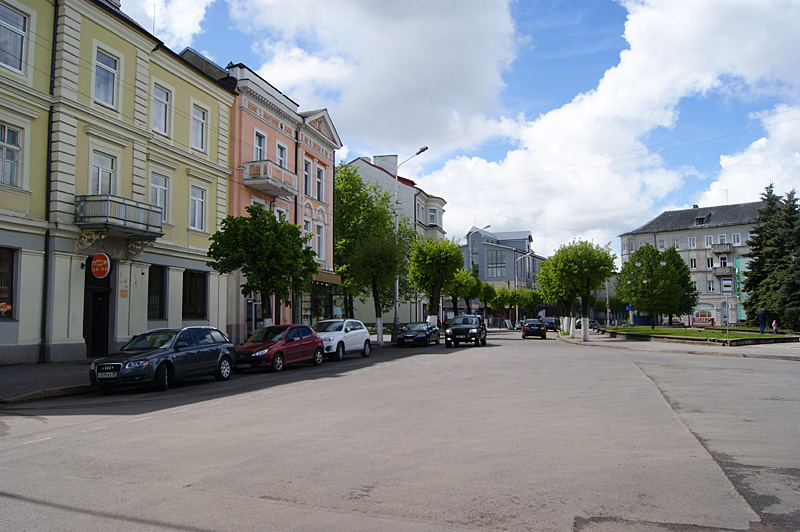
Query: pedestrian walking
{"type": "Point", "coordinates": [775, 326]}
{"type": "Point", "coordinates": [762, 319]}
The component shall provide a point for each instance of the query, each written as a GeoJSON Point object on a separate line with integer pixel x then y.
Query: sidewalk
{"type": "Point", "coordinates": [28, 382]}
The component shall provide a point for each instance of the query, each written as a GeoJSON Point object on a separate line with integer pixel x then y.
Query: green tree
{"type": "Point", "coordinates": [271, 253]}
{"type": "Point", "coordinates": [463, 285]}
{"type": "Point", "coordinates": [679, 295]}
{"type": "Point", "coordinates": [529, 300]}
{"type": "Point", "coordinates": [760, 279]}
{"type": "Point", "coordinates": [432, 264]}
{"type": "Point", "coordinates": [486, 295]}
{"type": "Point", "coordinates": [503, 300]}
{"type": "Point", "coordinates": [642, 280]}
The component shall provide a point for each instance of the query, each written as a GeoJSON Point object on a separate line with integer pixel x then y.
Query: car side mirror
{"type": "Point", "coordinates": [347, 330]}
{"type": "Point", "coordinates": [181, 345]}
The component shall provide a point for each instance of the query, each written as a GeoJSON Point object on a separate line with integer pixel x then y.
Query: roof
{"type": "Point", "coordinates": [717, 216]}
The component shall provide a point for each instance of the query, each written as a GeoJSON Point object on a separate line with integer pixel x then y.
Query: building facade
{"type": "Point", "coordinates": [282, 160]}
{"type": "Point", "coordinates": [119, 175]}
{"type": "Point", "coordinates": [425, 212]}
{"type": "Point", "coordinates": [712, 241]}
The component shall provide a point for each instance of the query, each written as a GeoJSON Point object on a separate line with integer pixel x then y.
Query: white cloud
{"type": "Point", "coordinates": [177, 22]}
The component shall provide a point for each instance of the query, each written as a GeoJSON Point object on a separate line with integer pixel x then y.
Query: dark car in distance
{"type": "Point", "coordinates": [593, 324]}
{"type": "Point", "coordinates": [161, 357]}
{"type": "Point", "coordinates": [534, 327]}
{"type": "Point", "coordinates": [277, 346]}
{"type": "Point", "coordinates": [465, 329]}
{"type": "Point", "coordinates": [551, 323]}
{"type": "Point", "coordinates": [421, 332]}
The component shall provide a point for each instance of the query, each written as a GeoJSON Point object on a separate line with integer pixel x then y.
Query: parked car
{"type": "Point", "coordinates": [343, 336]}
{"type": "Point", "coordinates": [277, 346]}
{"type": "Point", "coordinates": [593, 324]}
{"type": "Point", "coordinates": [465, 329]}
{"type": "Point", "coordinates": [552, 324]}
{"type": "Point", "coordinates": [534, 327]}
{"type": "Point", "coordinates": [675, 321]}
{"type": "Point", "coordinates": [421, 332]}
{"type": "Point", "coordinates": [161, 357]}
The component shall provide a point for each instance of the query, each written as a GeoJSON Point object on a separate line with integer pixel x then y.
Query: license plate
{"type": "Point", "coordinates": [107, 375]}
{"type": "Point", "coordinates": [244, 366]}
{"type": "Point", "coordinates": [460, 336]}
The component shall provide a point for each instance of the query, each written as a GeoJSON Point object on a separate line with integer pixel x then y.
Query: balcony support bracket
{"type": "Point", "coordinates": [88, 237]}
{"type": "Point", "coordinates": [136, 246]}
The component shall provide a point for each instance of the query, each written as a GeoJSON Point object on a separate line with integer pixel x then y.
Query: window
{"type": "Point", "coordinates": [710, 262]}
{"type": "Point", "coordinates": [197, 208]}
{"type": "Point", "coordinates": [102, 173]}
{"type": "Point", "coordinates": [161, 99]}
{"type": "Point", "coordinates": [496, 266]}
{"type": "Point", "coordinates": [105, 79]}
{"type": "Point", "coordinates": [737, 239]}
{"type": "Point", "coordinates": [280, 156]}
{"type": "Point", "coordinates": [723, 261]}
{"type": "Point", "coordinates": [432, 217]}
{"type": "Point", "coordinates": [158, 193]}
{"type": "Point", "coordinates": [259, 147]}
{"type": "Point", "coordinates": [281, 213]}
{"type": "Point", "coordinates": [307, 178]}
{"type": "Point", "coordinates": [692, 242]}
{"type": "Point", "coordinates": [9, 155]}
{"type": "Point", "coordinates": [307, 230]}
{"type": "Point", "coordinates": [624, 246]}
{"type": "Point", "coordinates": [722, 239]}
{"type": "Point", "coordinates": [195, 286]}
{"type": "Point", "coordinates": [320, 234]}
{"type": "Point", "coordinates": [13, 27]}
{"type": "Point", "coordinates": [709, 241]}
{"type": "Point", "coordinates": [320, 184]}
{"type": "Point", "coordinates": [6, 283]}
{"type": "Point", "coordinates": [677, 245]}
{"type": "Point", "coordinates": [710, 285]}
{"type": "Point", "coordinates": [258, 202]}
{"type": "Point", "coordinates": [692, 264]}
{"type": "Point", "coordinates": [632, 246]}
{"type": "Point", "coordinates": [199, 128]}
{"type": "Point", "coordinates": [660, 244]}
{"type": "Point", "coordinates": [157, 293]}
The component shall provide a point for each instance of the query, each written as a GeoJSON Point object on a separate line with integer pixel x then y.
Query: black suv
{"type": "Point", "coordinates": [162, 356]}
{"type": "Point", "coordinates": [465, 329]}
{"type": "Point", "coordinates": [534, 327]}
{"type": "Point", "coordinates": [551, 324]}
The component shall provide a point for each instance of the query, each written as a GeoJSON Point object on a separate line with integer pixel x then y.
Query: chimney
{"type": "Point", "coordinates": [695, 207]}
{"type": "Point", "coordinates": [387, 162]}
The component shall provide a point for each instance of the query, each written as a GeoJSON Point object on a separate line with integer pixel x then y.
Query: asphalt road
{"type": "Point", "coordinates": [518, 435]}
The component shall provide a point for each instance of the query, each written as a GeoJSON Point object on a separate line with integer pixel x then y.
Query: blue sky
{"type": "Point", "coordinates": [570, 119]}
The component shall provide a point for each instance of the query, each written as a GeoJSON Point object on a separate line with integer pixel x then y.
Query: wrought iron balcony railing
{"type": "Point", "coordinates": [117, 214]}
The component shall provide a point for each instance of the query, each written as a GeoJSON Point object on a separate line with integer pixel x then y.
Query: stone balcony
{"type": "Point", "coordinates": [718, 249]}
{"type": "Point", "coordinates": [722, 271]}
{"type": "Point", "coordinates": [269, 178]}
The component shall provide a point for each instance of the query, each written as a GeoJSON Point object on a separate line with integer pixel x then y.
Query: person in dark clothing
{"type": "Point", "coordinates": [762, 320]}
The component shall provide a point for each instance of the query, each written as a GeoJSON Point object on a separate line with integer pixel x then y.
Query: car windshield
{"type": "Point", "coordinates": [329, 326]}
{"type": "Point", "coordinates": [416, 326]}
{"type": "Point", "coordinates": [464, 320]}
{"type": "Point", "coordinates": [151, 340]}
{"type": "Point", "coordinates": [533, 322]}
{"type": "Point", "coordinates": [267, 334]}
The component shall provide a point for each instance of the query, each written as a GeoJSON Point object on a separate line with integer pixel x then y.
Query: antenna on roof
{"type": "Point", "coordinates": [726, 196]}
{"type": "Point", "coordinates": [154, 18]}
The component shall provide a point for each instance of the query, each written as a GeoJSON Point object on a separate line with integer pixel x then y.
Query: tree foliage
{"type": "Point", "coordinates": [271, 253]}
{"type": "Point", "coordinates": [463, 285]}
{"type": "Point", "coordinates": [432, 264]}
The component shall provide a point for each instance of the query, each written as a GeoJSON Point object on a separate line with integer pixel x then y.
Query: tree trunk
{"type": "Point", "coordinates": [585, 325]}
{"type": "Point", "coordinates": [378, 314]}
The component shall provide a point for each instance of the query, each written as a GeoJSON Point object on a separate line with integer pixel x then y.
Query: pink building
{"type": "Point", "coordinates": [283, 160]}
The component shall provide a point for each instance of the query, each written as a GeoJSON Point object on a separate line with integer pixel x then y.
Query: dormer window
{"type": "Point", "coordinates": [702, 220]}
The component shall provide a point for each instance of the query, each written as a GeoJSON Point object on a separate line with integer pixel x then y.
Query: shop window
{"type": "Point", "coordinates": [195, 289]}
{"type": "Point", "coordinates": [157, 293]}
{"type": "Point", "coordinates": [6, 283]}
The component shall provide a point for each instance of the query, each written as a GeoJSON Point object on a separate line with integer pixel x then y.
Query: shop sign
{"type": "Point", "coordinates": [101, 265]}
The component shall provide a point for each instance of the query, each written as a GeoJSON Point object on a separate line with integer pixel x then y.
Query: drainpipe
{"type": "Point", "coordinates": [47, 310]}
{"type": "Point", "coordinates": [297, 314]}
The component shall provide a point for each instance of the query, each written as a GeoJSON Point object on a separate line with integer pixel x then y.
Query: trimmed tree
{"type": "Point", "coordinates": [432, 264]}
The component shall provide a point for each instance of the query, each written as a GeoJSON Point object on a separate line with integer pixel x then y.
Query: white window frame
{"type": "Point", "coordinates": [160, 192]}
{"type": "Point", "coordinates": [307, 230]}
{"type": "Point", "coordinates": [737, 239]}
{"type": "Point", "coordinates": [661, 244]}
{"type": "Point", "coordinates": [692, 263]}
{"type": "Point", "coordinates": [709, 262]}
{"type": "Point", "coordinates": [723, 261]}
{"type": "Point", "coordinates": [97, 173]}
{"type": "Point", "coordinates": [433, 215]}
{"type": "Point", "coordinates": [307, 168]}
{"type": "Point", "coordinates": [319, 233]}
{"type": "Point", "coordinates": [25, 34]}
{"type": "Point", "coordinates": [281, 213]}
{"type": "Point", "coordinates": [164, 128]}
{"type": "Point", "coordinates": [677, 243]}
{"type": "Point", "coordinates": [116, 104]}
{"type": "Point", "coordinates": [709, 241]}
{"type": "Point", "coordinates": [710, 286]}
{"type": "Point", "coordinates": [722, 239]}
{"type": "Point", "coordinates": [692, 242]}
{"type": "Point", "coordinates": [259, 149]}
{"type": "Point", "coordinates": [194, 202]}
{"type": "Point", "coordinates": [204, 127]}
{"type": "Point", "coordinates": [283, 162]}
{"type": "Point", "coordinates": [320, 185]}
{"type": "Point", "coordinates": [6, 148]}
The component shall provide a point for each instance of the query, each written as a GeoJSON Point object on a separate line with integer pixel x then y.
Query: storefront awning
{"type": "Point", "coordinates": [327, 277]}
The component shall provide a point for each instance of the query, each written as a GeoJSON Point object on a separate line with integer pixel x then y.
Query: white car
{"type": "Point", "coordinates": [343, 336]}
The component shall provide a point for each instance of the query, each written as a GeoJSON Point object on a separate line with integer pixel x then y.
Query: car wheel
{"type": "Point", "coordinates": [455, 343]}
{"type": "Point", "coordinates": [223, 369]}
{"type": "Point", "coordinates": [339, 351]}
{"type": "Point", "coordinates": [277, 362]}
{"type": "Point", "coordinates": [400, 343]}
{"type": "Point", "coordinates": [483, 340]}
{"type": "Point", "coordinates": [447, 343]}
{"type": "Point", "coordinates": [523, 336]}
{"type": "Point", "coordinates": [162, 378]}
{"type": "Point", "coordinates": [438, 338]}
{"type": "Point", "coordinates": [478, 341]}
{"type": "Point", "coordinates": [427, 341]}
{"type": "Point", "coordinates": [367, 349]}
{"type": "Point", "coordinates": [317, 360]}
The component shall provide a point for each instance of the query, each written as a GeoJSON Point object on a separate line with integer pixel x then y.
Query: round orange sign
{"type": "Point", "coordinates": [101, 265]}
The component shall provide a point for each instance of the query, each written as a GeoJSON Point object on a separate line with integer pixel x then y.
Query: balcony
{"type": "Point", "coordinates": [121, 216]}
{"type": "Point", "coordinates": [722, 271]}
{"type": "Point", "coordinates": [269, 178]}
{"type": "Point", "coordinates": [721, 248]}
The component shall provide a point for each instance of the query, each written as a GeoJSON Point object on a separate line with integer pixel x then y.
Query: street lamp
{"type": "Point", "coordinates": [528, 254]}
{"type": "Point", "coordinates": [396, 323]}
{"type": "Point", "coordinates": [472, 261]}
{"type": "Point", "coordinates": [650, 276]}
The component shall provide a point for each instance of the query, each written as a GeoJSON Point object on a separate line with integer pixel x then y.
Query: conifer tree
{"type": "Point", "coordinates": [764, 257]}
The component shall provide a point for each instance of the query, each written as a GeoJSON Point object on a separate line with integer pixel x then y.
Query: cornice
{"type": "Point", "coordinates": [247, 92]}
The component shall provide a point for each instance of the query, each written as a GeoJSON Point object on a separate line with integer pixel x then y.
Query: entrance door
{"type": "Point", "coordinates": [96, 314]}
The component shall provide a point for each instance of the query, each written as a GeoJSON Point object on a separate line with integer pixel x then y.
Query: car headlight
{"type": "Point", "coordinates": [473, 331]}
{"type": "Point", "coordinates": [261, 353]}
{"type": "Point", "coordinates": [93, 365]}
{"type": "Point", "coordinates": [448, 331]}
{"type": "Point", "coordinates": [136, 364]}
{"type": "Point", "coordinates": [327, 338]}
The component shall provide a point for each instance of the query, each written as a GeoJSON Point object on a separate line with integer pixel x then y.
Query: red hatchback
{"type": "Point", "coordinates": [278, 345]}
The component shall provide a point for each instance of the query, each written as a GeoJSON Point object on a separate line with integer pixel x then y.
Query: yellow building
{"type": "Point", "coordinates": [122, 176]}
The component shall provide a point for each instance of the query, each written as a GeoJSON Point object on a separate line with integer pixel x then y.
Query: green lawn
{"type": "Point", "coordinates": [680, 331]}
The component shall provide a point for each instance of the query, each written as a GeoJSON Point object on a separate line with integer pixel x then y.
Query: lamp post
{"type": "Point", "coordinates": [516, 314]}
{"type": "Point", "coordinates": [396, 323]}
{"type": "Point", "coordinates": [650, 277]}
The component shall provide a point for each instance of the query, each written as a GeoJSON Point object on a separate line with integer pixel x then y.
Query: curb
{"type": "Point", "coordinates": [49, 392]}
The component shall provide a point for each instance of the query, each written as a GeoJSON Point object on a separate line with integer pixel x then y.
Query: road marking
{"type": "Point", "coordinates": [183, 410]}
{"type": "Point", "coordinates": [36, 441]}
{"type": "Point", "coordinates": [140, 419]}
{"type": "Point", "coordinates": [96, 428]}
